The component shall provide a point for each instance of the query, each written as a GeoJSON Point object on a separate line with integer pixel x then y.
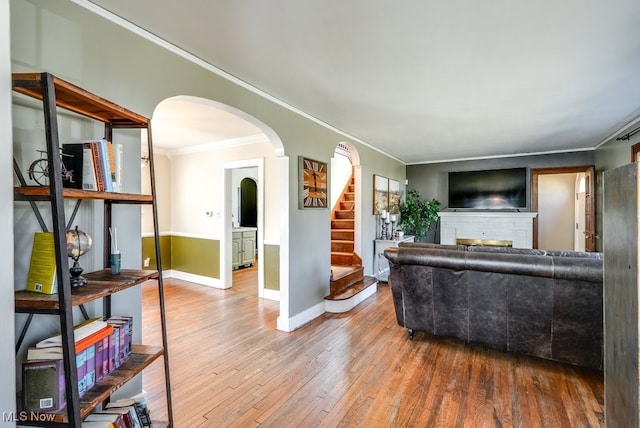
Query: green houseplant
{"type": "Point", "coordinates": [416, 216]}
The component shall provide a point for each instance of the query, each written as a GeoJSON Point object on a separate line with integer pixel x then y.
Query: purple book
{"type": "Point", "coordinates": [112, 350]}
{"type": "Point", "coordinates": [99, 359]}
{"type": "Point", "coordinates": [43, 385]}
{"type": "Point", "coordinates": [90, 364]}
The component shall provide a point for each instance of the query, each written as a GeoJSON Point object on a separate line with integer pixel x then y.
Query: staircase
{"type": "Point", "coordinates": [348, 285]}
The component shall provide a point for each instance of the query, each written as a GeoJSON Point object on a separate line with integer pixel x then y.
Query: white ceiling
{"type": "Point", "coordinates": [425, 80]}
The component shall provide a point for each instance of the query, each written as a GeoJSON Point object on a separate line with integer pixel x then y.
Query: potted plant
{"type": "Point", "coordinates": [416, 216]}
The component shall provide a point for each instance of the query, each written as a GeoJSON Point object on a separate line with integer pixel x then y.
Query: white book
{"type": "Point", "coordinates": [88, 170]}
{"type": "Point", "coordinates": [118, 158]}
{"type": "Point", "coordinates": [80, 332]}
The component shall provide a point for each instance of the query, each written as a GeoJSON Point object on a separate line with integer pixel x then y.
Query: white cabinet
{"type": "Point", "coordinates": [380, 263]}
{"type": "Point", "coordinates": [243, 246]}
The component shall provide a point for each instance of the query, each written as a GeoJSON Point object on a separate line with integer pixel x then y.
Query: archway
{"type": "Point", "coordinates": [219, 223]}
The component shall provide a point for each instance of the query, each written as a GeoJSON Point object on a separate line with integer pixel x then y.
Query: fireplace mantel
{"type": "Point", "coordinates": [513, 226]}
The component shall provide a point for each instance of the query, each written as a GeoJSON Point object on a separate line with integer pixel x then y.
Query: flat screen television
{"type": "Point", "coordinates": [488, 189]}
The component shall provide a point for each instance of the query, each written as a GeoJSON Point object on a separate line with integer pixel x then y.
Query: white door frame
{"type": "Point", "coordinates": [226, 271]}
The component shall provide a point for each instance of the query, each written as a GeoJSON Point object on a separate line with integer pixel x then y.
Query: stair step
{"type": "Point", "coordinates": [341, 258]}
{"type": "Point", "coordinates": [347, 205]}
{"type": "Point", "coordinates": [344, 276]}
{"type": "Point", "coordinates": [342, 234]}
{"type": "Point", "coordinates": [352, 188]}
{"type": "Point", "coordinates": [344, 214]}
{"type": "Point", "coordinates": [353, 289]}
{"type": "Point", "coordinates": [343, 246]}
{"type": "Point", "coordinates": [342, 223]}
{"type": "Point", "coordinates": [348, 196]}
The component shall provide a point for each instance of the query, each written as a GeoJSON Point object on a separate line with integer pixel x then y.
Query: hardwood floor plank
{"type": "Point", "coordinates": [230, 367]}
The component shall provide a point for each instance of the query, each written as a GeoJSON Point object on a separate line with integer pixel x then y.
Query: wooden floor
{"type": "Point", "coordinates": [231, 367]}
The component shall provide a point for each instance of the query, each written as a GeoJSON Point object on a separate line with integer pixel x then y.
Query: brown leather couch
{"type": "Point", "coordinates": [542, 303]}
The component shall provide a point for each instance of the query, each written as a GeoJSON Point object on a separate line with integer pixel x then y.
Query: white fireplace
{"type": "Point", "coordinates": [503, 226]}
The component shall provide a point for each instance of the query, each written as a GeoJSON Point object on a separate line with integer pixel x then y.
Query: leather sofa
{"type": "Point", "coordinates": [546, 304]}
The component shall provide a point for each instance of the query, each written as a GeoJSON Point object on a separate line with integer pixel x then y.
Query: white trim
{"type": "Point", "coordinates": [271, 242]}
{"type": "Point", "coordinates": [185, 235]}
{"type": "Point", "coordinates": [515, 155]}
{"type": "Point", "coordinates": [198, 279]}
{"type": "Point", "coordinates": [341, 306]}
{"type": "Point", "coordinates": [270, 294]}
{"type": "Point", "coordinates": [619, 131]}
{"type": "Point", "coordinates": [226, 276]}
{"type": "Point", "coordinates": [152, 235]}
{"type": "Point", "coordinates": [284, 243]}
{"type": "Point", "coordinates": [302, 318]}
{"type": "Point", "coordinates": [212, 68]}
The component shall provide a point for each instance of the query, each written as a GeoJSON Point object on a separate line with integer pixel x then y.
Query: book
{"type": "Point", "coordinates": [97, 164]}
{"type": "Point", "coordinates": [80, 332]}
{"type": "Point", "coordinates": [81, 366]}
{"type": "Point", "coordinates": [139, 405]}
{"type": "Point", "coordinates": [106, 168]}
{"type": "Point", "coordinates": [125, 406]}
{"type": "Point", "coordinates": [125, 325]}
{"type": "Point", "coordinates": [43, 385]}
{"type": "Point", "coordinates": [118, 155]}
{"type": "Point", "coordinates": [80, 161]}
{"type": "Point", "coordinates": [42, 267]}
{"type": "Point", "coordinates": [112, 164]}
{"type": "Point", "coordinates": [55, 352]}
{"type": "Point", "coordinates": [115, 419]}
{"type": "Point", "coordinates": [97, 424]}
{"type": "Point", "coordinates": [128, 413]}
{"type": "Point", "coordinates": [90, 364]}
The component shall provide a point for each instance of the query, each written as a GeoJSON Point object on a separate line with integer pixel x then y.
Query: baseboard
{"type": "Point", "coordinates": [340, 306]}
{"type": "Point", "coordinates": [271, 294]}
{"type": "Point", "coordinates": [301, 319]}
{"type": "Point", "coordinates": [198, 279]}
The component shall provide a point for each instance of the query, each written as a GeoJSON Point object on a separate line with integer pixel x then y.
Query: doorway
{"type": "Point", "coordinates": [248, 203]}
{"type": "Point", "coordinates": [559, 205]}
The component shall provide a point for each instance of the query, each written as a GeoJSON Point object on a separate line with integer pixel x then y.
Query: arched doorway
{"type": "Point", "coordinates": [248, 205]}
{"type": "Point", "coordinates": [207, 218]}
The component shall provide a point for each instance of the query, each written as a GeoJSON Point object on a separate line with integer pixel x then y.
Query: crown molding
{"type": "Point", "coordinates": [100, 11]}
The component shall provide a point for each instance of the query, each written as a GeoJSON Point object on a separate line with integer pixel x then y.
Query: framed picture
{"type": "Point", "coordinates": [395, 195]}
{"type": "Point", "coordinates": [312, 183]}
{"type": "Point", "coordinates": [380, 194]}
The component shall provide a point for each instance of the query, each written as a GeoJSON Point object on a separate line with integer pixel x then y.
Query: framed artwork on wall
{"type": "Point", "coordinates": [386, 195]}
{"type": "Point", "coordinates": [380, 194]}
{"type": "Point", "coordinates": [395, 195]}
{"type": "Point", "coordinates": [312, 183]}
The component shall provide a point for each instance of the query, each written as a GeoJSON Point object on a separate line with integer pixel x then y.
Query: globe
{"type": "Point", "coordinates": [78, 243]}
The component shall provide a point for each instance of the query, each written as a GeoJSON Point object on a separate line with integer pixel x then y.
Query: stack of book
{"type": "Point", "coordinates": [96, 165]}
{"type": "Point", "coordinates": [125, 413]}
{"type": "Point", "coordinates": [101, 346]}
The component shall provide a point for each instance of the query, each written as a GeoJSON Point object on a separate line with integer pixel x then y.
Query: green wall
{"type": "Point", "coordinates": [190, 255]}
{"type": "Point", "coordinates": [272, 267]}
{"type": "Point", "coordinates": [149, 251]}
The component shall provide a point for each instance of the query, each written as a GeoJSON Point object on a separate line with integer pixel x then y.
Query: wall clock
{"type": "Point", "coordinates": [313, 183]}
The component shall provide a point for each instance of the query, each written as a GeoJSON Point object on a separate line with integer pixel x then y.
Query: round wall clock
{"type": "Point", "coordinates": [313, 183]}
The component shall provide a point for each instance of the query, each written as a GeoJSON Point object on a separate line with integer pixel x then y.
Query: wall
{"type": "Point", "coordinates": [556, 211]}
{"type": "Point", "coordinates": [432, 179]}
{"type": "Point", "coordinates": [611, 154]}
{"type": "Point", "coordinates": [105, 58]}
{"type": "Point", "coordinates": [341, 171]}
{"type": "Point", "coordinates": [7, 336]}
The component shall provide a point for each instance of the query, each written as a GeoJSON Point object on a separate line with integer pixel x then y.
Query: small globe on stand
{"type": "Point", "coordinates": [78, 243]}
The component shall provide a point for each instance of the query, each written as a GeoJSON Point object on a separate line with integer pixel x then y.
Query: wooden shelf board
{"type": "Point", "coordinates": [42, 193]}
{"type": "Point", "coordinates": [142, 356]}
{"type": "Point", "coordinates": [73, 98]}
{"type": "Point", "coordinates": [100, 284]}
